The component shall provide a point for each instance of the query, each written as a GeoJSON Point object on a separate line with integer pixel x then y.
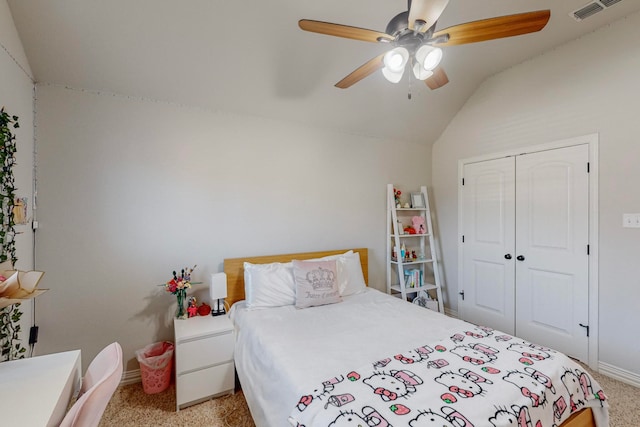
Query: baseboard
{"type": "Point", "coordinates": [451, 313]}
{"type": "Point", "coordinates": [619, 374]}
{"type": "Point", "coordinates": [130, 377]}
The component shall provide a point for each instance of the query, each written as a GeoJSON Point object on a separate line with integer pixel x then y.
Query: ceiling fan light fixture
{"type": "Point", "coordinates": [420, 73]}
{"type": "Point", "coordinates": [394, 62]}
{"type": "Point", "coordinates": [392, 76]}
{"type": "Point", "coordinates": [428, 57]}
{"type": "Point", "coordinates": [396, 59]}
{"type": "Point", "coordinates": [414, 36]}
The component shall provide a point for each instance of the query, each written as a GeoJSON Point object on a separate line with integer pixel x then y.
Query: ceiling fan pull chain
{"type": "Point", "coordinates": [410, 81]}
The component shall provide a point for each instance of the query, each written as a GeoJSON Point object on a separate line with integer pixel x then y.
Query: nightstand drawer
{"type": "Point", "coordinates": [200, 385]}
{"type": "Point", "coordinates": [203, 352]}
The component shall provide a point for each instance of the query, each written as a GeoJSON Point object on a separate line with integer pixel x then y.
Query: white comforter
{"type": "Point", "coordinates": [283, 353]}
{"type": "Point", "coordinates": [277, 347]}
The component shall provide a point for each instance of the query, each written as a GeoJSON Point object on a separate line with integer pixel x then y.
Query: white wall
{"type": "Point", "coordinates": [587, 86]}
{"type": "Point", "coordinates": [16, 95]}
{"type": "Point", "coordinates": [131, 189]}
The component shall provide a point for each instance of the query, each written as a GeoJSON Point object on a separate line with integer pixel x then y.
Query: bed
{"type": "Point", "coordinates": [303, 366]}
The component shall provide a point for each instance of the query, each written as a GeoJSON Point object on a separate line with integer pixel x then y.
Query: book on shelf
{"type": "Point", "coordinates": [413, 278]}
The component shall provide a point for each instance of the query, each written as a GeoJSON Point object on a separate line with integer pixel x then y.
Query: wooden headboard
{"type": "Point", "coordinates": [234, 268]}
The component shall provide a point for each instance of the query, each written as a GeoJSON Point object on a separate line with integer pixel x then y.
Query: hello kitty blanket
{"type": "Point", "coordinates": [477, 377]}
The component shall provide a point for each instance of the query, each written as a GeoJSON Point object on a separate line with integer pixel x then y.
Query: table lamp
{"type": "Point", "coordinates": [217, 293]}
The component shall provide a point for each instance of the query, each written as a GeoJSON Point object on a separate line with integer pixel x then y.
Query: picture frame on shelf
{"type": "Point", "coordinates": [417, 201]}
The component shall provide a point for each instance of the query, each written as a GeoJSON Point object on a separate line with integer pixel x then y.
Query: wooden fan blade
{"type": "Point", "coordinates": [438, 79]}
{"type": "Point", "coordinates": [340, 30]}
{"type": "Point", "coordinates": [426, 10]}
{"type": "Point", "coordinates": [361, 72]}
{"type": "Point", "coordinates": [494, 28]}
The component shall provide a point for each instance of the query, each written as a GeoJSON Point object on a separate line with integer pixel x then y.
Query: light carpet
{"type": "Point", "coordinates": [130, 406]}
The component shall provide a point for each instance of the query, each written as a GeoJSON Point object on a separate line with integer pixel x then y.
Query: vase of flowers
{"type": "Point", "coordinates": [181, 295]}
{"type": "Point", "coordinates": [178, 286]}
{"type": "Point", "coordinates": [396, 195]}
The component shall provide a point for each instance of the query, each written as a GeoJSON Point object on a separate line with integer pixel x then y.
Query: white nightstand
{"type": "Point", "coordinates": [204, 358]}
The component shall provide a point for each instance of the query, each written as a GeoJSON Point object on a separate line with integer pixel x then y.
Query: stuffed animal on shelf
{"type": "Point", "coordinates": [419, 225]}
{"type": "Point", "coordinates": [193, 307]}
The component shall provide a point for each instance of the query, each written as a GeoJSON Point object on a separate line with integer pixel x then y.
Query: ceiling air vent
{"type": "Point", "coordinates": [592, 8]}
{"type": "Point", "coordinates": [609, 3]}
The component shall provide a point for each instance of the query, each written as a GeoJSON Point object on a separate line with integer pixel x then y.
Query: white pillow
{"type": "Point", "coordinates": [350, 277]}
{"type": "Point", "coordinates": [269, 285]}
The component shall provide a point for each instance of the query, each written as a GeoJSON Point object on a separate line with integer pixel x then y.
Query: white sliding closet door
{"type": "Point", "coordinates": [552, 234]}
{"type": "Point", "coordinates": [525, 227]}
{"type": "Point", "coordinates": [488, 293]}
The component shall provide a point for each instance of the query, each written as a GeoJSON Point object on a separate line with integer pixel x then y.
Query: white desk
{"type": "Point", "coordinates": [36, 391]}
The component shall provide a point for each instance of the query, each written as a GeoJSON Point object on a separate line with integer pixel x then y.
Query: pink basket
{"type": "Point", "coordinates": [156, 361]}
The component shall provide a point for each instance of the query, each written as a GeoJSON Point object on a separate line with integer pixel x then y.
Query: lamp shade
{"type": "Point", "coordinates": [218, 286]}
{"type": "Point", "coordinates": [391, 76]}
{"type": "Point", "coordinates": [428, 56]}
{"type": "Point", "coordinates": [394, 63]}
{"type": "Point", "coordinates": [396, 59]}
{"type": "Point", "coordinates": [420, 72]}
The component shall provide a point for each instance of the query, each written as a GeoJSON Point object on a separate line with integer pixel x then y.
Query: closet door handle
{"type": "Point", "coordinates": [507, 256]}
{"type": "Point", "coordinates": [520, 257]}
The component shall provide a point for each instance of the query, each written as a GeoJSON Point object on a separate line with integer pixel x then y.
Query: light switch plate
{"type": "Point", "coordinates": [631, 220]}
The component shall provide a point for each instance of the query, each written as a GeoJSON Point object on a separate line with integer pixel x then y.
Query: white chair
{"type": "Point", "coordinates": [98, 385]}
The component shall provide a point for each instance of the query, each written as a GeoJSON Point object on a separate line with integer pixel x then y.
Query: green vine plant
{"type": "Point", "coordinates": [10, 346]}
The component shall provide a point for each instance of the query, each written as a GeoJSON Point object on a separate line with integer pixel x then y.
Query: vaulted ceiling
{"type": "Point", "coordinates": [250, 57]}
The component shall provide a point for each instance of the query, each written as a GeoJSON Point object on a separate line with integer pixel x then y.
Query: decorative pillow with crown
{"type": "Point", "coordinates": [316, 283]}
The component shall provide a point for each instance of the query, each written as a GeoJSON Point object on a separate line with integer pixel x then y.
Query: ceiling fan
{"type": "Point", "coordinates": [415, 39]}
